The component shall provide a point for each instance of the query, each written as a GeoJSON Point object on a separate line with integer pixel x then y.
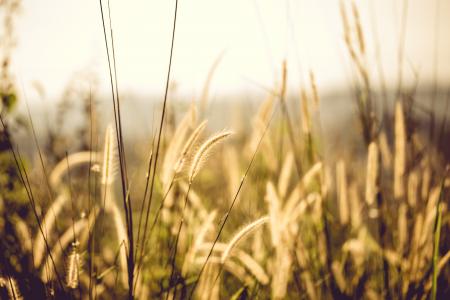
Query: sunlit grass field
{"type": "Point", "coordinates": [274, 206]}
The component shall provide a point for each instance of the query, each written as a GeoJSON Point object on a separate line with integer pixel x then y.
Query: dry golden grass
{"type": "Point", "coordinates": [268, 216]}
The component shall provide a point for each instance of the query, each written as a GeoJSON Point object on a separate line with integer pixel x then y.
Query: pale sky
{"type": "Point", "coordinates": [57, 38]}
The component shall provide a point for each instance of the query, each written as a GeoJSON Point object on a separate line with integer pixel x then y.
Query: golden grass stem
{"type": "Point", "coordinates": [241, 234]}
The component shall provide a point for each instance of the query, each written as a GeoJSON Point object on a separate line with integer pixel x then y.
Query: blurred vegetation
{"type": "Point", "coordinates": [13, 202]}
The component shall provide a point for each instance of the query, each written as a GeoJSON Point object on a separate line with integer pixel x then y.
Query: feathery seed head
{"type": "Point", "coordinates": [73, 267]}
{"type": "Point", "coordinates": [202, 152]}
{"type": "Point", "coordinates": [188, 146]}
{"type": "Point", "coordinates": [372, 173]}
{"type": "Point", "coordinates": [12, 288]}
{"type": "Point", "coordinates": [109, 166]}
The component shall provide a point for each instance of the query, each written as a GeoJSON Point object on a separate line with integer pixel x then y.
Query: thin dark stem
{"type": "Point", "coordinates": [158, 212]}
{"type": "Point", "coordinates": [44, 171]}
{"type": "Point", "coordinates": [122, 157]}
{"type": "Point", "coordinates": [41, 159]}
{"type": "Point", "coordinates": [147, 216]}
{"type": "Point", "coordinates": [147, 182]}
{"type": "Point", "coordinates": [146, 190]}
{"type": "Point", "coordinates": [382, 232]}
{"type": "Point", "coordinates": [175, 247]}
{"type": "Point", "coordinates": [227, 214]}
{"type": "Point", "coordinates": [91, 249]}
{"type": "Point", "coordinates": [26, 184]}
{"type": "Point", "coordinates": [120, 144]}
{"type": "Point", "coordinates": [116, 114]}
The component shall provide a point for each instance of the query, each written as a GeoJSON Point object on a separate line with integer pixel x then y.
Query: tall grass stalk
{"type": "Point", "coordinates": [437, 236]}
{"type": "Point", "coordinates": [197, 162]}
{"type": "Point", "coordinates": [230, 208]}
{"type": "Point", "coordinates": [120, 144]}
{"type": "Point", "coordinates": [157, 151]}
